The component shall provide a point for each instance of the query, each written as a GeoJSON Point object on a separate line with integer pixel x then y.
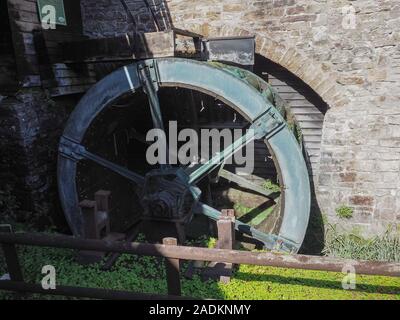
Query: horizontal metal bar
{"type": "Point", "coordinates": [79, 292]}
{"type": "Point", "coordinates": [203, 254]}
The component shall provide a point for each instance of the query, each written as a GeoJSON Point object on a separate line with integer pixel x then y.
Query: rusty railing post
{"type": "Point", "coordinates": [89, 212]}
{"type": "Point", "coordinates": [173, 270]}
{"type": "Point", "coordinates": [226, 240]}
{"type": "Point", "coordinates": [102, 199]}
{"type": "Point", "coordinates": [12, 261]}
{"type": "Point", "coordinates": [226, 230]}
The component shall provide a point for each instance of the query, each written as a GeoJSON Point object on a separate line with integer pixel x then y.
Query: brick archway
{"type": "Point", "coordinates": [322, 82]}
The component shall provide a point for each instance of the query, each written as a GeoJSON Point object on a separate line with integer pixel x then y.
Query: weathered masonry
{"type": "Point", "coordinates": [34, 99]}
{"type": "Point", "coordinates": [342, 84]}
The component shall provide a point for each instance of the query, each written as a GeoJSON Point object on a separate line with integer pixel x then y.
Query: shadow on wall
{"type": "Point", "coordinates": [309, 111]}
{"type": "Point", "coordinates": [132, 18]}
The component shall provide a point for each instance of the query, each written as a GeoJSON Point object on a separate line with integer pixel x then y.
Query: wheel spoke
{"type": "Point", "coordinates": [77, 152]}
{"type": "Point", "coordinates": [242, 182]}
{"type": "Point", "coordinates": [200, 171]}
{"type": "Point", "coordinates": [151, 89]}
{"type": "Point", "coordinates": [270, 241]}
{"type": "Point", "coordinates": [122, 171]}
{"type": "Point", "coordinates": [265, 127]}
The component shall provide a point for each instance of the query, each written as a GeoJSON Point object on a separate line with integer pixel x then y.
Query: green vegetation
{"type": "Point", "coordinates": [147, 274]}
{"type": "Point", "coordinates": [293, 125]}
{"type": "Point", "coordinates": [252, 216]}
{"type": "Point", "coordinates": [345, 212]}
{"type": "Point", "coordinates": [271, 186]}
{"type": "Point", "coordinates": [241, 210]}
{"type": "Point", "coordinates": [353, 246]}
{"type": "Point", "coordinates": [8, 204]}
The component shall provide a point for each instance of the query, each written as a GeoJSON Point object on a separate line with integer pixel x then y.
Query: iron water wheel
{"type": "Point", "coordinates": [236, 88]}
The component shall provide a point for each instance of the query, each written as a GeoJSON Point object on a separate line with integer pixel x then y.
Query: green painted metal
{"type": "Point", "coordinates": [249, 101]}
{"type": "Point", "coordinates": [247, 94]}
{"type": "Point", "coordinates": [150, 86]}
{"type": "Point", "coordinates": [263, 87]}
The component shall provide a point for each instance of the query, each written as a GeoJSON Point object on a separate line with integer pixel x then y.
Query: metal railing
{"type": "Point", "coordinates": [173, 254]}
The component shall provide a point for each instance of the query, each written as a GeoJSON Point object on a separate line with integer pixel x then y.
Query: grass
{"type": "Point", "coordinates": [344, 212]}
{"type": "Point", "coordinates": [353, 246]}
{"type": "Point", "coordinates": [147, 274]}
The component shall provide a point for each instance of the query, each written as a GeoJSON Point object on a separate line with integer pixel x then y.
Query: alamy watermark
{"type": "Point", "coordinates": [349, 21]}
{"type": "Point", "coordinates": [349, 282]}
{"type": "Point", "coordinates": [49, 17]}
{"type": "Point", "coordinates": [189, 147]}
{"type": "Point", "coordinates": [49, 280]}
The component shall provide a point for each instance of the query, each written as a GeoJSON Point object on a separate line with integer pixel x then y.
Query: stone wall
{"type": "Point", "coordinates": [30, 127]}
{"type": "Point", "coordinates": [346, 51]}
{"type": "Point", "coordinates": [109, 17]}
{"type": "Point", "coordinates": [353, 63]}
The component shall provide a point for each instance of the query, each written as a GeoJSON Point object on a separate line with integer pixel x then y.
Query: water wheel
{"type": "Point", "coordinates": [174, 193]}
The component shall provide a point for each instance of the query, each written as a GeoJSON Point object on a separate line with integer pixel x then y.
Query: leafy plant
{"type": "Point", "coordinates": [271, 186]}
{"type": "Point", "coordinates": [345, 212]}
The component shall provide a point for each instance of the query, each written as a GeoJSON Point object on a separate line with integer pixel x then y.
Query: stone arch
{"type": "Point", "coordinates": [321, 81]}
{"type": "Point", "coordinates": [324, 85]}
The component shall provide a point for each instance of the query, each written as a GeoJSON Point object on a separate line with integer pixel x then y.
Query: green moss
{"type": "Point", "coordinates": [293, 125]}
{"type": "Point", "coordinates": [345, 212]}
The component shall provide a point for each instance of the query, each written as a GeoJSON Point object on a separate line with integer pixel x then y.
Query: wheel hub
{"type": "Point", "coordinates": [166, 196]}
